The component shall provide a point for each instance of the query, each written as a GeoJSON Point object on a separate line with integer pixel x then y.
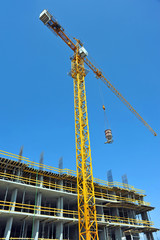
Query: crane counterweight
{"type": "Point", "coordinates": [45, 16]}
{"type": "Point", "coordinates": [83, 53]}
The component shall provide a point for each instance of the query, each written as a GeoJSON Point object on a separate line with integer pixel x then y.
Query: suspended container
{"type": "Point", "coordinates": [108, 136]}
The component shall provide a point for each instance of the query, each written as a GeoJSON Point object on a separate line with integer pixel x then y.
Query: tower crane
{"type": "Point", "coordinates": [88, 229]}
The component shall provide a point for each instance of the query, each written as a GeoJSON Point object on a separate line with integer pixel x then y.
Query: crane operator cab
{"type": "Point", "coordinates": [108, 136]}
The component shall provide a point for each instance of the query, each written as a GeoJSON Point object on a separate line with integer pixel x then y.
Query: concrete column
{"type": "Point", "coordinates": [115, 212]}
{"type": "Point", "coordinates": [8, 227]}
{"type": "Point", "coordinates": [49, 182]}
{"type": "Point", "coordinates": [25, 231]}
{"type": "Point", "coordinates": [108, 237]}
{"type": "Point", "coordinates": [135, 235]}
{"type": "Point", "coordinates": [149, 235]}
{"type": "Point", "coordinates": [59, 226]}
{"type": "Point", "coordinates": [29, 203]}
{"type": "Point", "coordinates": [5, 197]}
{"type": "Point", "coordinates": [144, 216]}
{"type": "Point", "coordinates": [102, 234]}
{"type": "Point", "coordinates": [13, 199]}
{"type": "Point", "coordinates": [38, 203]}
{"type": "Point", "coordinates": [132, 215]}
{"type": "Point", "coordinates": [60, 185]}
{"type": "Point", "coordinates": [35, 226]}
{"type": "Point", "coordinates": [118, 233]}
{"type": "Point", "coordinates": [35, 229]}
{"type": "Point", "coordinates": [43, 229]}
{"type": "Point", "coordinates": [24, 193]}
{"type": "Point", "coordinates": [76, 233]}
{"type": "Point", "coordinates": [100, 212]}
{"type": "Point", "coordinates": [20, 154]}
{"type": "Point", "coordinates": [40, 178]}
{"type": "Point", "coordinates": [48, 231]}
{"type": "Point", "coordinates": [60, 206]}
{"type": "Point", "coordinates": [59, 231]}
{"type": "Point", "coordinates": [60, 199]}
{"type": "Point", "coordinates": [52, 230]}
{"type": "Point", "coordinates": [68, 231]}
{"type": "Point", "coordinates": [4, 172]}
{"type": "Point", "coordinates": [49, 208]}
{"type": "Point", "coordinates": [18, 174]}
{"type": "Point", "coordinates": [118, 230]}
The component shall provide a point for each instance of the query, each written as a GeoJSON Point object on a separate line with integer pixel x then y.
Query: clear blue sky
{"type": "Point", "coordinates": [123, 38]}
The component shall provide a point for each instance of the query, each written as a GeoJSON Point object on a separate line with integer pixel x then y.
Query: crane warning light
{"type": "Point", "coordinates": [45, 16]}
{"type": "Point", "coordinates": [83, 52]}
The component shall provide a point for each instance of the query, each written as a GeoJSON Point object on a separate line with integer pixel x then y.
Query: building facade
{"type": "Point", "coordinates": [37, 201]}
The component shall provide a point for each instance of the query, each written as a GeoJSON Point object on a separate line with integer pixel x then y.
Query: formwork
{"type": "Point", "coordinates": [40, 202]}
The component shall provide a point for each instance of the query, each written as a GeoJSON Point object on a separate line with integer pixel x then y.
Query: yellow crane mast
{"type": "Point", "coordinates": [86, 199]}
{"type": "Point", "coordinates": [88, 229]}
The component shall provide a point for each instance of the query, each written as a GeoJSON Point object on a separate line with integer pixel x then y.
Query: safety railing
{"type": "Point", "coordinates": [64, 188]}
{"type": "Point", "coordinates": [67, 171]}
{"type": "Point", "coordinates": [118, 184]}
{"type": "Point", "coordinates": [122, 220]}
{"type": "Point", "coordinates": [19, 238]}
{"type": "Point", "coordinates": [34, 209]}
{"type": "Point", "coordinates": [37, 182]}
{"type": "Point", "coordinates": [119, 198]}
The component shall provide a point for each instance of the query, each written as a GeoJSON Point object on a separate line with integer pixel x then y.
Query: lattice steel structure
{"type": "Point", "coordinates": [85, 188]}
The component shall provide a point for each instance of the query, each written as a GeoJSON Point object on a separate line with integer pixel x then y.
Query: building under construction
{"type": "Point", "coordinates": [42, 202]}
{"type": "Point", "coordinates": [38, 201]}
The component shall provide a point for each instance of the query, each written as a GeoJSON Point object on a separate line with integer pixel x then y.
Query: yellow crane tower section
{"type": "Point", "coordinates": [88, 229]}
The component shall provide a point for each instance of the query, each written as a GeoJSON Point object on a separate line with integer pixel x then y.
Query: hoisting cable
{"type": "Point", "coordinates": [106, 122]}
{"type": "Point", "coordinates": [108, 132]}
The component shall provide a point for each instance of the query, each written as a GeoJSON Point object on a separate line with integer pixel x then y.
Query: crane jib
{"type": "Point", "coordinates": [118, 94]}
{"type": "Point", "coordinates": [55, 27]}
